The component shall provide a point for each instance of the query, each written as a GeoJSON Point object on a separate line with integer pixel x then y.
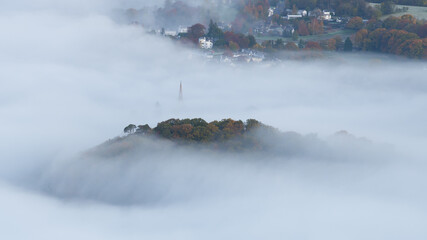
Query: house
{"type": "Point", "coordinates": [182, 29]}
{"type": "Point", "coordinates": [171, 33]}
{"type": "Point", "coordinates": [288, 31]}
{"type": "Point", "coordinates": [259, 27]}
{"type": "Point", "coordinates": [275, 30]}
{"type": "Point", "coordinates": [293, 16]}
{"type": "Point", "coordinates": [326, 15]}
{"type": "Point", "coordinates": [302, 13]}
{"type": "Point", "coordinates": [205, 43]}
{"type": "Point", "coordinates": [271, 11]}
{"type": "Point", "coordinates": [224, 26]}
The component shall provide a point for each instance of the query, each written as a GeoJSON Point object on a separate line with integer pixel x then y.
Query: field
{"type": "Point", "coordinates": [418, 12]}
{"type": "Point", "coordinates": [331, 34]}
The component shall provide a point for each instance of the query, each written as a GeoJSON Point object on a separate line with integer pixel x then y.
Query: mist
{"type": "Point", "coordinates": [72, 78]}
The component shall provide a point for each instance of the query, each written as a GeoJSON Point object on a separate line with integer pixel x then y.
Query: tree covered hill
{"type": "Point", "coordinates": [225, 134]}
{"type": "Point", "coordinates": [252, 139]}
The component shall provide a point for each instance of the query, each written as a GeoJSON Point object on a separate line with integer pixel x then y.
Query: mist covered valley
{"type": "Point", "coordinates": [73, 78]}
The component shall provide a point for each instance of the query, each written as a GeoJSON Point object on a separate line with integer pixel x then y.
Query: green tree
{"type": "Point", "coordinates": [252, 41]}
{"type": "Point", "coordinates": [348, 45]}
{"type": "Point", "coordinates": [129, 129]}
{"type": "Point", "coordinates": [214, 31]}
{"type": "Point", "coordinates": [388, 7]}
{"type": "Point", "coordinates": [279, 44]}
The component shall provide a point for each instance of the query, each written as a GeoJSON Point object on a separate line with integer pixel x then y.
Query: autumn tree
{"type": "Point", "coordinates": [331, 44]}
{"type": "Point", "coordinates": [302, 28]}
{"type": "Point", "coordinates": [355, 23]}
{"type": "Point", "coordinates": [360, 37]}
{"type": "Point", "coordinates": [312, 46]}
{"type": "Point", "coordinates": [195, 32]}
{"type": "Point", "coordinates": [315, 27]}
{"type": "Point", "coordinates": [422, 31]}
{"type": "Point", "coordinates": [339, 44]}
{"type": "Point", "coordinates": [291, 46]}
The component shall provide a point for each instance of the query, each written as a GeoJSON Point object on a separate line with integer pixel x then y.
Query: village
{"type": "Point", "coordinates": [262, 30]}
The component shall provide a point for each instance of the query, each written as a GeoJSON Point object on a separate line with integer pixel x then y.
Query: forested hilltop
{"type": "Point", "coordinates": [225, 137]}
{"type": "Point", "coordinates": [225, 134]}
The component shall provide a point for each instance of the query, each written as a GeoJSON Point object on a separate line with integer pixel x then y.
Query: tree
{"type": "Point", "coordinates": [315, 27]}
{"type": "Point", "coordinates": [195, 32]}
{"type": "Point", "coordinates": [339, 45]}
{"type": "Point", "coordinates": [422, 31]}
{"type": "Point", "coordinates": [302, 28]}
{"type": "Point", "coordinates": [143, 129]}
{"type": "Point", "coordinates": [312, 46]}
{"type": "Point", "coordinates": [130, 128]}
{"type": "Point", "coordinates": [355, 23]}
{"type": "Point", "coordinates": [214, 31]}
{"type": "Point", "coordinates": [412, 48]}
{"type": "Point", "coordinates": [391, 22]}
{"type": "Point", "coordinates": [348, 45]}
{"type": "Point", "coordinates": [388, 7]}
{"type": "Point", "coordinates": [279, 44]}
{"type": "Point", "coordinates": [301, 44]}
{"type": "Point", "coordinates": [360, 37]}
{"type": "Point", "coordinates": [291, 46]}
{"type": "Point", "coordinates": [233, 46]}
{"type": "Point", "coordinates": [331, 44]}
{"type": "Point", "coordinates": [295, 36]}
{"type": "Point", "coordinates": [252, 41]}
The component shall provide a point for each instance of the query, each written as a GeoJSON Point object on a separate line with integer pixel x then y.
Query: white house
{"type": "Point", "coordinates": [294, 16]}
{"type": "Point", "coordinates": [326, 15]}
{"type": "Point", "coordinates": [302, 13]}
{"type": "Point", "coordinates": [182, 29]}
{"type": "Point", "coordinates": [271, 11]}
{"type": "Point", "coordinates": [205, 43]}
{"type": "Point", "coordinates": [171, 33]}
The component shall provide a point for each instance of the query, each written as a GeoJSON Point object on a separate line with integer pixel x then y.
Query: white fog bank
{"type": "Point", "coordinates": [71, 78]}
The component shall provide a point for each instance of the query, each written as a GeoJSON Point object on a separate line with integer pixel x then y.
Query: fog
{"type": "Point", "coordinates": [72, 78]}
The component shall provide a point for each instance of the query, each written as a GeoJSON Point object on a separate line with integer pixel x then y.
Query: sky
{"type": "Point", "coordinates": [72, 78]}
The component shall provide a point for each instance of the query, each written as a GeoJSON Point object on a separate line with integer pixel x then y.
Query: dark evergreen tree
{"type": "Point", "coordinates": [348, 45]}
{"type": "Point", "coordinates": [214, 31]}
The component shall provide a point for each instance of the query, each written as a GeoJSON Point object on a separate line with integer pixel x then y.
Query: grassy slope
{"type": "Point", "coordinates": [418, 12]}
{"type": "Point", "coordinates": [343, 33]}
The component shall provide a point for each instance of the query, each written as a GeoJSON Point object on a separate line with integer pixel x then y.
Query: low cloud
{"type": "Point", "coordinates": [72, 78]}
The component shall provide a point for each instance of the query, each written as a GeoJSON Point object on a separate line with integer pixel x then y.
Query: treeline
{"type": "Point", "coordinates": [333, 44]}
{"type": "Point", "coordinates": [224, 40]}
{"type": "Point", "coordinates": [405, 36]}
{"type": "Point", "coordinates": [396, 35]}
{"type": "Point", "coordinates": [227, 133]}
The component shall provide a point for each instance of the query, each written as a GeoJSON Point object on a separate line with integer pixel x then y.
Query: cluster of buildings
{"type": "Point", "coordinates": [242, 56]}
{"type": "Point", "coordinates": [286, 28]}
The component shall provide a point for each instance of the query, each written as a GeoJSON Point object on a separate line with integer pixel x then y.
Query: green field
{"type": "Point", "coordinates": [418, 12]}
{"type": "Point", "coordinates": [343, 33]}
